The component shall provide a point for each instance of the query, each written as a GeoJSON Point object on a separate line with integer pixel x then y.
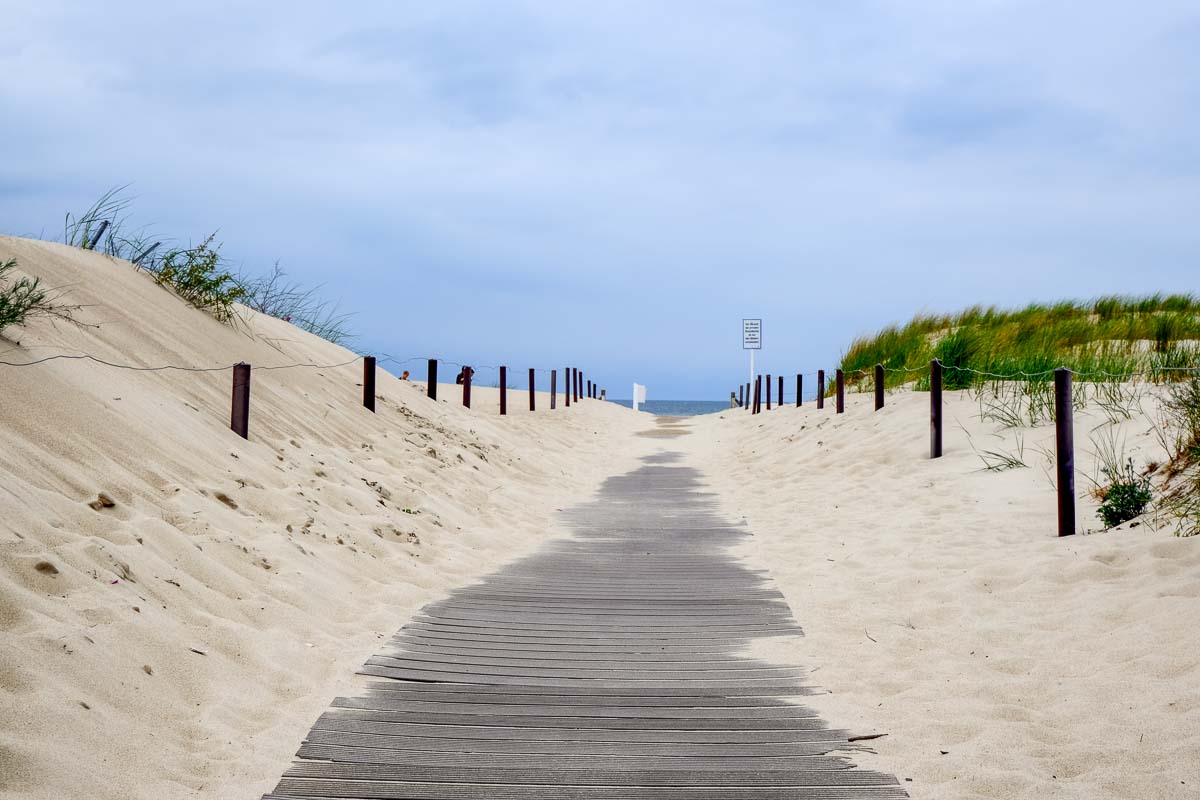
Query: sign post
{"type": "Point", "coordinates": [752, 340]}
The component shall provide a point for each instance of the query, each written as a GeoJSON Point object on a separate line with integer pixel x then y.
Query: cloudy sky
{"type": "Point", "coordinates": [615, 185]}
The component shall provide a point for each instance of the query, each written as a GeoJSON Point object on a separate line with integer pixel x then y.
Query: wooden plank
{"type": "Point", "coordinates": [612, 664]}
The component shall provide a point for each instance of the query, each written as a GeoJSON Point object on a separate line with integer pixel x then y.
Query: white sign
{"type": "Point", "coordinates": [639, 395]}
{"type": "Point", "coordinates": [752, 334]}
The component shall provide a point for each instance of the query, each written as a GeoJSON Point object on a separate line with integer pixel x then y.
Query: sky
{"type": "Point", "coordinates": [616, 185]}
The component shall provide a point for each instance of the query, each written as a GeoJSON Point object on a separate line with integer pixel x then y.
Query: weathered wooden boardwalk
{"type": "Point", "coordinates": [605, 666]}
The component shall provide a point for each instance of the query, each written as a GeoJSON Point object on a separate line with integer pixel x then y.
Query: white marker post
{"type": "Point", "coordinates": [752, 340]}
{"type": "Point", "coordinates": [639, 395]}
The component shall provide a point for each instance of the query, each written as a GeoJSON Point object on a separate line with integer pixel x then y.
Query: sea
{"type": "Point", "coordinates": [678, 408]}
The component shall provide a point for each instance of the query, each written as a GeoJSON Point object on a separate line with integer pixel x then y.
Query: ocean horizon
{"type": "Point", "coordinates": [678, 408]}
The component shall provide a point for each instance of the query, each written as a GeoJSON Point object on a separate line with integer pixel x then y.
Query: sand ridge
{"type": "Point", "coordinates": [177, 605]}
{"type": "Point", "coordinates": [940, 608]}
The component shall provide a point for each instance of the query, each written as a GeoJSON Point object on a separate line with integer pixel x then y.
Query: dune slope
{"type": "Point", "coordinates": [177, 605]}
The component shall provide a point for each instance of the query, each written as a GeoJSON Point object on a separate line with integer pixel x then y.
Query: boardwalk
{"type": "Point", "coordinates": [607, 665]}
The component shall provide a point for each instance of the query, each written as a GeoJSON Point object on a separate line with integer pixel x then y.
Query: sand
{"type": "Point", "coordinates": [180, 642]}
{"type": "Point", "coordinates": [941, 609]}
{"type": "Point", "coordinates": [177, 605]}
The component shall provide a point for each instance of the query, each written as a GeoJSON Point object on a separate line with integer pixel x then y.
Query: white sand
{"type": "Point", "coordinates": [286, 595]}
{"type": "Point", "coordinates": [940, 607]}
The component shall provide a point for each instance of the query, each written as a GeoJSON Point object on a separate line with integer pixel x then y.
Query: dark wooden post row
{"type": "Point", "coordinates": [431, 379]}
{"type": "Point", "coordinates": [768, 391]}
{"type": "Point", "coordinates": [1064, 440]}
{"type": "Point", "coordinates": [799, 389]}
{"type": "Point", "coordinates": [466, 373]}
{"type": "Point", "coordinates": [780, 403]}
{"type": "Point", "coordinates": [503, 391]}
{"type": "Point", "coordinates": [820, 388]}
{"type": "Point", "coordinates": [878, 386]}
{"type": "Point", "coordinates": [935, 409]}
{"type": "Point", "coordinates": [239, 418]}
{"type": "Point", "coordinates": [841, 392]}
{"type": "Point", "coordinates": [369, 383]}
{"type": "Point", "coordinates": [532, 391]}
{"type": "Point", "coordinates": [553, 389]}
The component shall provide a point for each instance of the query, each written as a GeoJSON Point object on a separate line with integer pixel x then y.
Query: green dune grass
{"type": "Point", "coordinates": [1101, 339]}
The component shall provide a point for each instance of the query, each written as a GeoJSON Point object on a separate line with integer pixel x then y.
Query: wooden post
{"type": "Point", "coordinates": [799, 389]}
{"type": "Point", "coordinates": [820, 388]}
{"type": "Point", "coordinates": [553, 389]}
{"type": "Point", "coordinates": [567, 386]}
{"type": "Point", "coordinates": [935, 409]}
{"type": "Point", "coordinates": [589, 390]}
{"type": "Point", "coordinates": [878, 386]}
{"type": "Point", "coordinates": [780, 403]}
{"type": "Point", "coordinates": [431, 379]}
{"type": "Point", "coordinates": [369, 383]}
{"type": "Point", "coordinates": [841, 392]}
{"type": "Point", "coordinates": [768, 391]}
{"type": "Point", "coordinates": [1064, 440]}
{"type": "Point", "coordinates": [503, 391]}
{"type": "Point", "coordinates": [748, 403]}
{"type": "Point", "coordinates": [741, 396]}
{"type": "Point", "coordinates": [467, 387]}
{"type": "Point", "coordinates": [96, 239]}
{"type": "Point", "coordinates": [575, 384]}
{"type": "Point", "coordinates": [239, 419]}
{"type": "Point", "coordinates": [758, 394]}
{"type": "Point", "coordinates": [532, 391]}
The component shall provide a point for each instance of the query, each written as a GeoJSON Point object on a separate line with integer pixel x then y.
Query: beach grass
{"type": "Point", "coordinates": [1108, 338]}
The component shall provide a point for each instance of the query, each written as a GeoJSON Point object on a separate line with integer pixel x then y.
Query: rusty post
{"type": "Point", "coordinates": [820, 388]}
{"type": "Point", "coordinates": [553, 389]}
{"type": "Point", "coordinates": [532, 391]}
{"type": "Point", "coordinates": [841, 392]}
{"type": "Point", "coordinates": [1064, 440]}
{"type": "Point", "coordinates": [466, 387]}
{"type": "Point", "coordinates": [431, 379]}
{"type": "Point", "coordinates": [935, 409]}
{"type": "Point", "coordinates": [369, 383]}
{"type": "Point", "coordinates": [239, 419]}
{"type": "Point", "coordinates": [503, 391]}
{"type": "Point", "coordinates": [799, 389]}
{"type": "Point", "coordinates": [878, 386]}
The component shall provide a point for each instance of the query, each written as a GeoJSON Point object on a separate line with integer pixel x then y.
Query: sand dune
{"type": "Point", "coordinates": [940, 608]}
{"type": "Point", "coordinates": [177, 605]}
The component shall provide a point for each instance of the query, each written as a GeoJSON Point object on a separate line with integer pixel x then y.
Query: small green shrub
{"type": "Point", "coordinates": [1125, 496]}
{"type": "Point", "coordinates": [25, 298]}
{"type": "Point", "coordinates": [195, 274]}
